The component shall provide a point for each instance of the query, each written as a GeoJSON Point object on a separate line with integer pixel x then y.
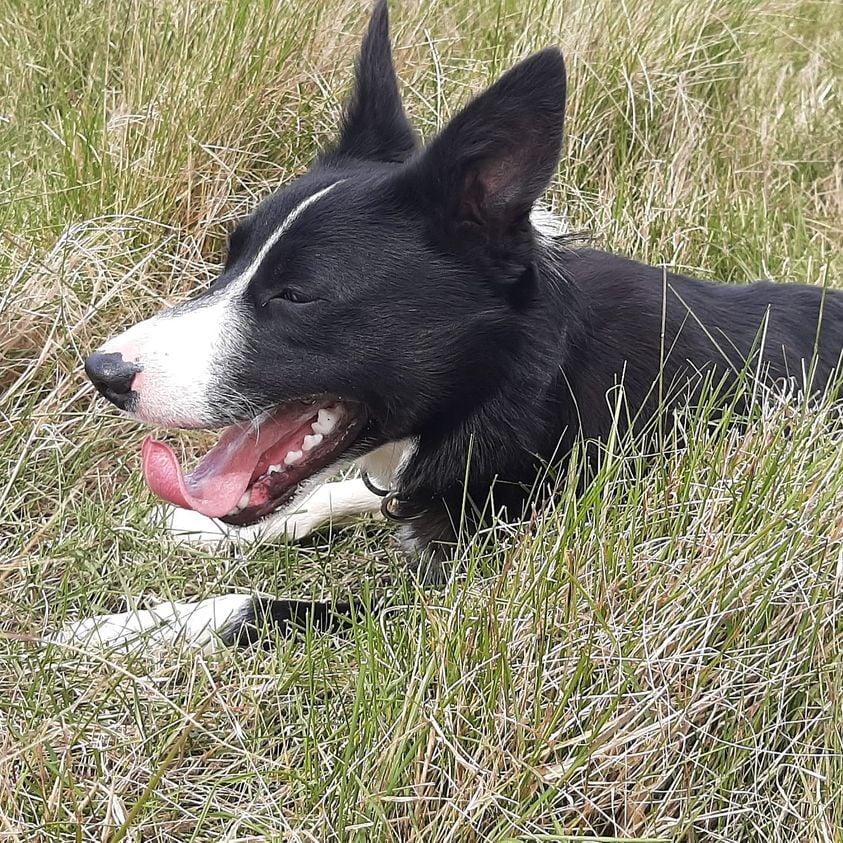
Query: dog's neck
{"type": "Point", "coordinates": [465, 450]}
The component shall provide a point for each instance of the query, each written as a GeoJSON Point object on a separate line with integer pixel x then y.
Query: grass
{"type": "Point", "coordinates": [658, 660]}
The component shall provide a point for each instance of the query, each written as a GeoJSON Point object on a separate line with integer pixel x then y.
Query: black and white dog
{"type": "Point", "coordinates": [404, 306]}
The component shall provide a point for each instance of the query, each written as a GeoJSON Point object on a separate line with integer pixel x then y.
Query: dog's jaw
{"type": "Point", "coordinates": [256, 467]}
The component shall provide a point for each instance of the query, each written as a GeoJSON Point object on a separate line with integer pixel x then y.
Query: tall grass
{"type": "Point", "coordinates": [656, 660]}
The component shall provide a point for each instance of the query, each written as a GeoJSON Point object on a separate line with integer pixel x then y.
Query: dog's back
{"type": "Point", "coordinates": [661, 335]}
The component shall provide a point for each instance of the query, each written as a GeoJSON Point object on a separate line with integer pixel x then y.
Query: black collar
{"type": "Point", "coordinates": [393, 507]}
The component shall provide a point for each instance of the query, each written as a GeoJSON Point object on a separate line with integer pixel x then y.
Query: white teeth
{"type": "Point", "coordinates": [293, 457]}
{"type": "Point", "coordinates": [326, 420]}
{"type": "Point", "coordinates": [310, 442]}
{"type": "Point", "coordinates": [274, 469]}
{"type": "Point", "coordinates": [241, 504]}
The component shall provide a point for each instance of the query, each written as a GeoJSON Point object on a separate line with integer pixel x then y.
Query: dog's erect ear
{"type": "Point", "coordinates": [374, 125]}
{"type": "Point", "coordinates": [487, 167]}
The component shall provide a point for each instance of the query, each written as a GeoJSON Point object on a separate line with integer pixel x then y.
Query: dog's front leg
{"type": "Point", "coordinates": [230, 618]}
{"type": "Point", "coordinates": [329, 503]}
{"type": "Point", "coordinates": [223, 620]}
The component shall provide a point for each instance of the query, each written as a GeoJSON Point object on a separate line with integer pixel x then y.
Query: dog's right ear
{"type": "Point", "coordinates": [374, 125]}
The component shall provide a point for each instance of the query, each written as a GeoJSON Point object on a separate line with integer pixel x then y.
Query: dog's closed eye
{"type": "Point", "coordinates": [290, 295]}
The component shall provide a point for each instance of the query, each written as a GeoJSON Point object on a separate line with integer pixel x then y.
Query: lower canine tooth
{"type": "Point", "coordinates": [244, 501]}
{"type": "Point", "coordinates": [293, 457]}
{"type": "Point", "coordinates": [310, 442]}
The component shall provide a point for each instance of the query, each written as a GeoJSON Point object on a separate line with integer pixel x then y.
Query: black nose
{"type": "Point", "coordinates": [112, 376]}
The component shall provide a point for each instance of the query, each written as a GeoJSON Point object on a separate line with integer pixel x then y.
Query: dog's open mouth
{"type": "Point", "coordinates": [257, 466]}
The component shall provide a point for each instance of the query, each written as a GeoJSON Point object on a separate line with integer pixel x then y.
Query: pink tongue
{"type": "Point", "coordinates": [220, 480]}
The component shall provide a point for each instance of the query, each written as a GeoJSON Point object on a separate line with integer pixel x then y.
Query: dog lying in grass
{"type": "Point", "coordinates": [404, 306]}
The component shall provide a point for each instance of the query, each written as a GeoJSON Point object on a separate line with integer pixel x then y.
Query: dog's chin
{"type": "Point", "coordinates": [258, 466]}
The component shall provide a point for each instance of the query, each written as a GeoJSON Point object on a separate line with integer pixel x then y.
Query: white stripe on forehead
{"type": "Point", "coordinates": [244, 277]}
{"type": "Point", "coordinates": [182, 350]}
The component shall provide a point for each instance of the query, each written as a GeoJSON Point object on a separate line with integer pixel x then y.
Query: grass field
{"type": "Point", "coordinates": [660, 660]}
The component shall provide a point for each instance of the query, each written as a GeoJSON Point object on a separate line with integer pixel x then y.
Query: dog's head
{"type": "Point", "coordinates": [376, 296]}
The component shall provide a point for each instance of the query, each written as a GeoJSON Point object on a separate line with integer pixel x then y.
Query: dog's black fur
{"type": "Point", "coordinates": [422, 290]}
{"type": "Point", "coordinates": [438, 307]}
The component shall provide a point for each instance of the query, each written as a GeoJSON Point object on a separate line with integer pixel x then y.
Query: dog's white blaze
{"type": "Point", "coordinates": [243, 279]}
{"type": "Point", "coordinates": [177, 349]}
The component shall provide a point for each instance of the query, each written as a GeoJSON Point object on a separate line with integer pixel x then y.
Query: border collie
{"type": "Point", "coordinates": [402, 306]}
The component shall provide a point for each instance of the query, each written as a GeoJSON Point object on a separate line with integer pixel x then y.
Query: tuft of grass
{"type": "Point", "coordinates": [658, 659]}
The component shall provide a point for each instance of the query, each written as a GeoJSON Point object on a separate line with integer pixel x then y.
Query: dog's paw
{"type": "Point", "coordinates": [329, 503]}
{"type": "Point", "coordinates": [187, 527]}
{"type": "Point", "coordinates": [202, 625]}
{"type": "Point", "coordinates": [190, 528]}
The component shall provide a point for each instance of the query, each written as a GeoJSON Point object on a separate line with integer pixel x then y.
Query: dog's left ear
{"type": "Point", "coordinates": [374, 125]}
{"type": "Point", "coordinates": [481, 175]}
